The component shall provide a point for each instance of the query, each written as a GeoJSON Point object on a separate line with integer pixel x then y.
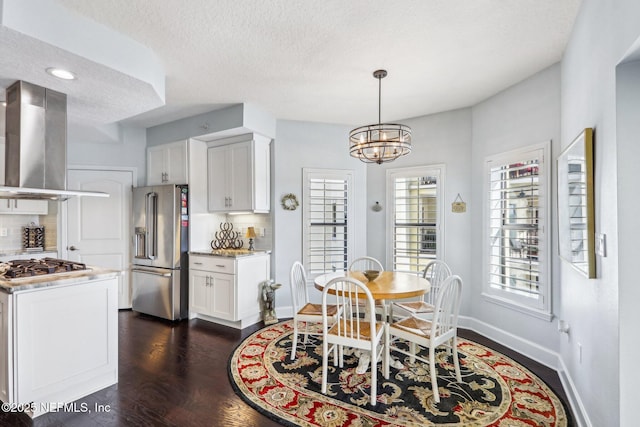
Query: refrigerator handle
{"type": "Point", "coordinates": [152, 225]}
{"type": "Point", "coordinates": [138, 270]}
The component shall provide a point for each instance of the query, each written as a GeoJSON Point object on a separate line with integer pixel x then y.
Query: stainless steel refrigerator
{"type": "Point", "coordinates": [160, 277]}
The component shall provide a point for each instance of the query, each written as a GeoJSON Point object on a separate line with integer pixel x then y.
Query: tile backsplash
{"type": "Point", "coordinates": [262, 225]}
{"type": "Point", "coordinates": [13, 226]}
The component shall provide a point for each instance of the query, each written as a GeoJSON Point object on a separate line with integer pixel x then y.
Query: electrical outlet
{"type": "Point", "coordinates": [563, 326]}
{"type": "Point", "coordinates": [3, 232]}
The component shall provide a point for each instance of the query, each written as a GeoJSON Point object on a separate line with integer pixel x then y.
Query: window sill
{"type": "Point", "coordinates": [539, 314]}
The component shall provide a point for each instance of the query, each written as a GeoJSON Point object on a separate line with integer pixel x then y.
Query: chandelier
{"type": "Point", "coordinates": [382, 142]}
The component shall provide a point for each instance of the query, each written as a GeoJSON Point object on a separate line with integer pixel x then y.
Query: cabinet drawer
{"type": "Point", "coordinates": [213, 263]}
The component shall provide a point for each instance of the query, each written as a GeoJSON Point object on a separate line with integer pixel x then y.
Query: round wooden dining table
{"type": "Point", "coordinates": [387, 286]}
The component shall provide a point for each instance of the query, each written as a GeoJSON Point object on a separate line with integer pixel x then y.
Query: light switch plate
{"type": "Point", "coordinates": [601, 244]}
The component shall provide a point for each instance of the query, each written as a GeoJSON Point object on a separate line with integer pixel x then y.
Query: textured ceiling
{"type": "Point", "coordinates": [313, 60]}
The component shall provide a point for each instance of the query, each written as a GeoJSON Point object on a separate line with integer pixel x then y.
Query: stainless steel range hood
{"type": "Point", "coordinates": [36, 145]}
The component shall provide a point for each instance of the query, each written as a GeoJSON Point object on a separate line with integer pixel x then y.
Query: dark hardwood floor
{"type": "Point", "coordinates": [175, 374]}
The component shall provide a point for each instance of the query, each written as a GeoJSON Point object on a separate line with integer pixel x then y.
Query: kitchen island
{"type": "Point", "coordinates": [59, 335]}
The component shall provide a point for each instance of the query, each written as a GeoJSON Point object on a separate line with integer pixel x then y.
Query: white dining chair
{"type": "Point", "coordinates": [304, 311]}
{"type": "Point", "coordinates": [353, 328]}
{"type": "Point", "coordinates": [366, 263]}
{"type": "Point", "coordinates": [442, 329]}
{"type": "Point", "coordinates": [436, 272]}
{"type": "Point", "coordinates": [370, 263]}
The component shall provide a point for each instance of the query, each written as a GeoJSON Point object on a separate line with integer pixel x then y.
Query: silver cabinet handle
{"type": "Point", "coordinates": [219, 265]}
{"type": "Point", "coordinates": [73, 248]}
{"type": "Point", "coordinates": [197, 263]}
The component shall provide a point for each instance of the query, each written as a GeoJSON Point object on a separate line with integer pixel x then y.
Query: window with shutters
{"type": "Point", "coordinates": [327, 219]}
{"type": "Point", "coordinates": [414, 217]}
{"type": "Point", "coordinates": [517, 210]}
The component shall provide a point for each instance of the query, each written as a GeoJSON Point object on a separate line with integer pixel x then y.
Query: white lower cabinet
{"type": "Point", "coordinates": [58, 344]}
{"type": "Point", "coordinates": [213, 294]}
{"type": "Point", "coordinates": [227, 290]}
{"type": "Point", "coordinates": [5, 394]}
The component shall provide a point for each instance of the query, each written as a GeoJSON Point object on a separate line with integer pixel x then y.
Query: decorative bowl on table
{"type": "Point", "coordinates": [371, 274]}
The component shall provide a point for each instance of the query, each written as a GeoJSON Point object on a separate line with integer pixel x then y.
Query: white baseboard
{"type": "Point", "coordinates": [577, 407]}
{"type": "Point", "coordinates": [538, 353]}
{"type": "Point", "coordinates": [527, 348]}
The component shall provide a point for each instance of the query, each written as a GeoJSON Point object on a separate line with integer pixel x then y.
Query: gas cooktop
{"type": "Point", "coordinates": [19, 268]}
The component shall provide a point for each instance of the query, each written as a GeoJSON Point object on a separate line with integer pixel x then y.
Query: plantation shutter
{"type": "Point", "coordinates": [415, 220]}
{"type": "Point", "coordinates": [327, 220]}
{"type": "Point", "coordinates": [514, 225]}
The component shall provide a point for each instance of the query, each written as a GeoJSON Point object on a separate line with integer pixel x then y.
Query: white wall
{"type": "Point", "coordinates": [113, 145]}
{"type": "Point", "coordinates": [628, 129]}
{"type": "Point", "coordinates": [525, 114]}
{"type": "Point", "coordinates": [604, 31]}
{"type": "Point", "coordinates": [308, 145]}
{"type": "Point", "coordinates": [443, 138]}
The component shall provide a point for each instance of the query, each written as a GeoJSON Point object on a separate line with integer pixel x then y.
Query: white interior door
{"type": "Point", "coordinates": [98, 228]}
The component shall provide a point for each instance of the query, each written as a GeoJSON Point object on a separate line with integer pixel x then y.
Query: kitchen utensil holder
{"type": "Point", "coordinates": [33, 237]}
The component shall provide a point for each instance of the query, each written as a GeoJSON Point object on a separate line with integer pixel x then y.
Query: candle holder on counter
{"type": "Point", "coordinates": [226, 238]}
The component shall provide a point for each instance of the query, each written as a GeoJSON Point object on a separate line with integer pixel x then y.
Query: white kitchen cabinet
{"type": "Point", "coordinates": [24, 207]}
{"type": "Point", "coordinates": [5, 394]}
{"type": "Point", "coordinates": [58, 343]}
{"type": "Point", "coordinates": [212, 294]}
{"type": "Point", "coordinates": [168, 163]}
{"type": "Point", "coordinates": [227, 289]}
{"type": "Point", "coordinates": [239, 176]}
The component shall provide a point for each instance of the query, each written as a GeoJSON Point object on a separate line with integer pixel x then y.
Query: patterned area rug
{"type": "Point", "coordinates": [496, 391]}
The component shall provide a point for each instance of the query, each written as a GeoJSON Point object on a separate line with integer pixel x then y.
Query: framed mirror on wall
{"type": "Point", "coordinates": [576, 204]}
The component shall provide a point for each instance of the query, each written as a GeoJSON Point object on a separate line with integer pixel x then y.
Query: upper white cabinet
{"type": "Point", "coordinates": [168, 163]}
{"type": "Point", "coordinates": [24, 207]}
{"type": "Point", "coordinates": [239, 175]}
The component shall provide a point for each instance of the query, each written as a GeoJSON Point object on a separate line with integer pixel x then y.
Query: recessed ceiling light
{"type": "Point", "coordinates": [61, 74]}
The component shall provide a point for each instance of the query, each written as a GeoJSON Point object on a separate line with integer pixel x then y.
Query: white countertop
{"type": "Point", "coordinates": [230, 253]}
{"type": "Point", "coordinates": [56, 279]}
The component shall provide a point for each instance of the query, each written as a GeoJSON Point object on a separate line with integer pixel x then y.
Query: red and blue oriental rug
{"type": "Point", "coordinates": [495, 391]}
